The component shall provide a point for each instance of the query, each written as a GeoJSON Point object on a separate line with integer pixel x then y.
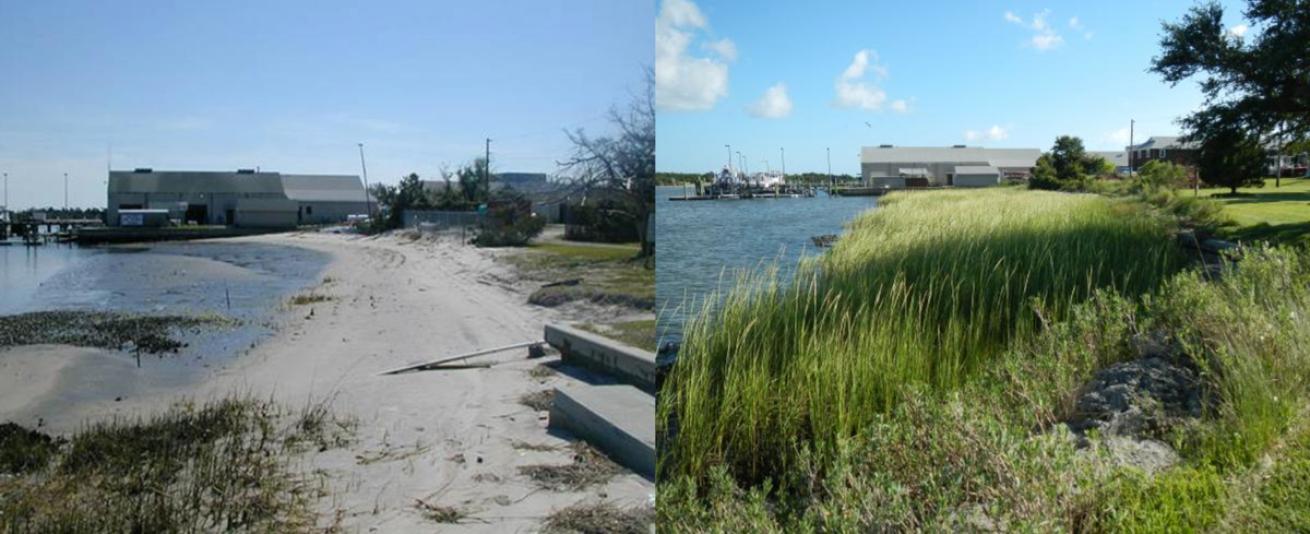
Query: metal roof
{"type": "Point", "coordinates": [970, 155]}
{"type": "Point", "coordinates": [976, 169]}
{"type": "Point", "coordinates": [323, 187]}
{"type": "Point", "coordinates": [190, 182]}
{"type": "Point", "coordinates": [1166, 142]}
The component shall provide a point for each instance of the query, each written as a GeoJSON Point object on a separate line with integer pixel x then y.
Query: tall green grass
{"type": "Point", "coordinates": [924, 290]}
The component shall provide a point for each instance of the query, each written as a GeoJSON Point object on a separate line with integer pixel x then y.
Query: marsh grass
{"type": "Point", "coordinates": [926, 289]}
{"type": "Point", "coordinates": [223, 465]}
{"type": "Point", "coordinates": [991, 454]}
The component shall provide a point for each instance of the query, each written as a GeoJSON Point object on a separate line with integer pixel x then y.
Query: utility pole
{"type": "Point", "coordinates": [486, 173]}
{"type": "Point", "coordinates": [830, 183]}
{"type": "Point", "coordinates": [6, 193]}
{"type": "Point", "coordinates": [1132, 150]}
{"type": "Point", "coordinates": [65, 194]}
{"type": "Point", "coordinates": [368, 201]}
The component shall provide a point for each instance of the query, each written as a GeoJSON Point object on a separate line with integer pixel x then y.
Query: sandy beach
{"type": "Point", "coordinates": [449, 437]}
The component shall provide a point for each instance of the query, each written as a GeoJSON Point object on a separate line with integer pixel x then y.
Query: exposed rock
{"type": "Point", "coordinates": [1149, 455]}
{"type": "Point", "coordinates": [1139, 397]}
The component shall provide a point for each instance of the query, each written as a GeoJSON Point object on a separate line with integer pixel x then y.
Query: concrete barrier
{"type": "Point", "coordinates": [629, 364]}
{"type": "Point", "coordinates": [617, 419]}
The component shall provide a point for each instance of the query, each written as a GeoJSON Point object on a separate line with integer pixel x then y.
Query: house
{"type": "Point", "coordinates": [1163, 148]}
{"type": "Point", "coordinates": [897, 167]}
{"type": "Point", "coordinates": [241, 198]}
{"type": "Point", "coordinates": [976, 176]}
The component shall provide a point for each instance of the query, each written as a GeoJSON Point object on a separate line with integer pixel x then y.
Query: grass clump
{"type": "Point", "coordinates": [588, 468]}
{"type": "Point", "coordinates": [223, 465]}
{"type": "Point", "coordinates": [639, 333]}
{"type": "Point", "coordinates": [305, 299]}
{"type": "Point", "coordinates": [538, 400]}
{"type": "Point", "coordinates": [927, 289]}
{"type": "Point", "coordinates": [601, 518]}
{"type": "Point", "coordinates": [23, 450]}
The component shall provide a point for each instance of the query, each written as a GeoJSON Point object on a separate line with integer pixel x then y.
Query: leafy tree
{"type": "Point", "coordinates": [1231, 158]}
{"type": "Point", "coordinates": [1258, 83]}
{"type": "Point", "coordinates": [1069, 158]}
{"type": "Point", "coordinates": [1045, 175]}
{"type": "Point", "coordinates": [621, 165]}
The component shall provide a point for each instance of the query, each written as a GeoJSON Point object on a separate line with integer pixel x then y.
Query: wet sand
{"type": "Point", "coordinates": [445, 437]}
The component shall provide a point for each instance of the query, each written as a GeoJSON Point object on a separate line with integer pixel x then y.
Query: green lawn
{"type": "Point", "coordinates": [1280, 214]}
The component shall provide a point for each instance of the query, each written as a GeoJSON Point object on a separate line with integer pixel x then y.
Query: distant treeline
{"type": "Point", "coordinates": [807, 178]}
{"type": "Point", "coordinates": [59, 213]}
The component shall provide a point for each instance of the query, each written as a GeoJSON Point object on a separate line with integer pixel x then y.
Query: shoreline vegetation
{"type": "Point", "coordinates": [999, 359]}
{"type": "Point", "coordinates": [152, 334]}
{"type": "Point", "coordinates": [222, 465]}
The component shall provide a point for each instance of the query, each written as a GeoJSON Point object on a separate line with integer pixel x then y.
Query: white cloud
{"type": "Point", "coordinates": [900, 106]}
{"type": "Point", "coordinates": [1044, 36]}
{"type": "Point", "coordinates": [854, 92]}
{"type": "Point", "coordinates": [775, 104]}
{"type": "Point", "coordinates": [725, 48]}
{"type": "Point", "coordinates": [684, 82]}
{"type": "Point", "coordinates": [995, 133]}
{"type": "Point", "coordinates": [1077, 26]}
{"type": "Point", "coordinates": [1238, 30]}
{"type": "Point", "coordinates": [1118, 137]}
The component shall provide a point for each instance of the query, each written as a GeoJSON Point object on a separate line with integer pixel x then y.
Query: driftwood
{"type": "Point", "coordinates": [465, 356]}
{"type": "Point", "coordinates": [569, 282]}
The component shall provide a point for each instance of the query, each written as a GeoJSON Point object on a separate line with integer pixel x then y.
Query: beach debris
{"type": "Point", "coordinates": [569, 282]}
{"type": "Point", "coordinates": [588, 468]}
{"type": "Point", "coordinates": [465, 356]}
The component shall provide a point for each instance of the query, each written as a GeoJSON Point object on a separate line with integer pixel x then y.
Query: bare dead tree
{"type": "Point", "coordinates": [621, 165]}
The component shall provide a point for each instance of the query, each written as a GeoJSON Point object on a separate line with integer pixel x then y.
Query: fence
{"type": "Point", "coordinates": [440, 219]}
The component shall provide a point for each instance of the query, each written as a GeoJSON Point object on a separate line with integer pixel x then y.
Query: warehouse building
{"type": "Point", "coordinates": [242, 198]}
{"type": "Point", "coordinates": [898, 167]}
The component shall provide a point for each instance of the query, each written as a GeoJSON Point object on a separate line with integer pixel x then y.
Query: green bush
{"type": "Point", "coordinates": [509, 221]}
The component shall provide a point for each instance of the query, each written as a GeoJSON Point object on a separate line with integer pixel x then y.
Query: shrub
{"type": "Point", "coordinates": [509, 221]}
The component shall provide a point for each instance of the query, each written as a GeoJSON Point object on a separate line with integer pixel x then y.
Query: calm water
{"type": "Point", "coordinates": [702, 243]}
{"type": "Point", "coordinates": [243, 281]}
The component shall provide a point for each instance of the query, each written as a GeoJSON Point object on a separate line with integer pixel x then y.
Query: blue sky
{"type": "Point", "coordinates": [293, 86]}
{"type": "Point", "coordinates": [988, 73]}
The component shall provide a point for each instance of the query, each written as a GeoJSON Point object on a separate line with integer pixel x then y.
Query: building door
{"type": "Point", "coordinates": [231, 217]}
{"type": "Point", "coordinates": [198, 213]}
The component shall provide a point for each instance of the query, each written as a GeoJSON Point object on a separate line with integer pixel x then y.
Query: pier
{"type": "Point", "coordinates": [36, 232]}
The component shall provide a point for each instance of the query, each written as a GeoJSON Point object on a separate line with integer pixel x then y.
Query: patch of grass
{"type": "Point", "coordinates": [588, 468]}
{"type": "Point", "coordinates": [1272, 214]}
{"type": "Point", "coordinates": [639, 333]}
{"type": "Point", "coordinates": [224, 465]}
{"type": "Point", "coordinates": [308, 298]}
{"type": "Point", "coordinates": [601, 518]}
{"type": "Point", "coordinates": [538, 400]}
{"type": "Point", "coordinates": [929, 288]}
{"type": "Point", "coordinates": [23, 450]}
{"type": "Point", "coordinates": [107, 330]}
{"type": "Point", "coordinates": [607, 273]}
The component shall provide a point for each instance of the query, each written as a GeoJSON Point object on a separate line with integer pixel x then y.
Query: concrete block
{"type": "Point", "coordinates": [628, 364]}
{"type": "Point", "coordinates": [619, 420]}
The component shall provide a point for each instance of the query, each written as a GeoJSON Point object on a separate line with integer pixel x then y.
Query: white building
{"type": "Point", "coordinates": [897, 167]}
{"type": "Point", "coordinates": [241, 198]}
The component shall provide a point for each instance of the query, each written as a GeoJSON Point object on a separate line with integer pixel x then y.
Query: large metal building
{"type": "Point", "coordinates": [897, 167]}
{"type": "Point", "coordinates": [241, 198]}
